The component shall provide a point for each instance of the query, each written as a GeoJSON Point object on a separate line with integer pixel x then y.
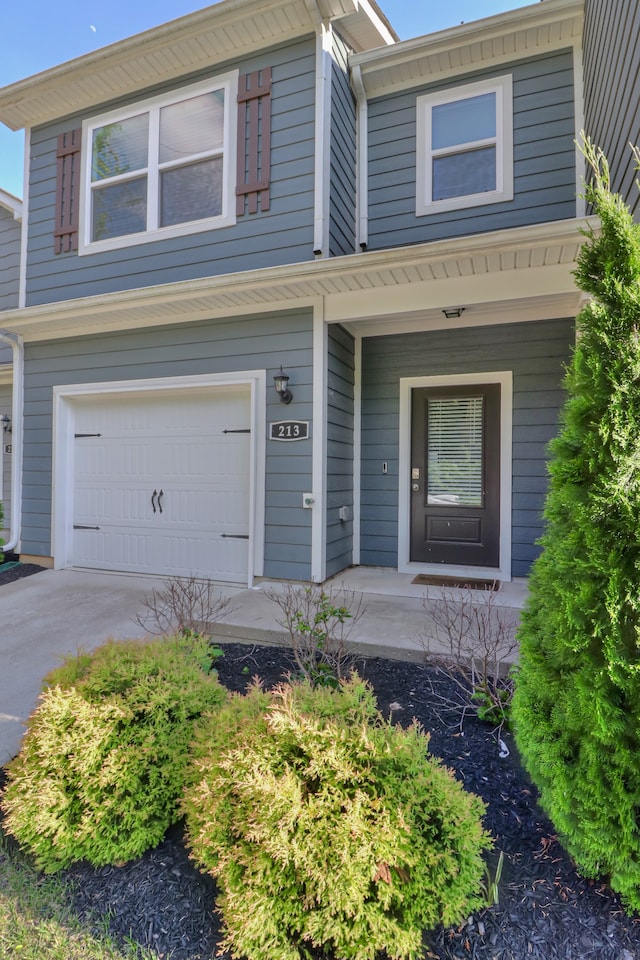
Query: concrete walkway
{"type": "Point", "coordinates": [54, 613]}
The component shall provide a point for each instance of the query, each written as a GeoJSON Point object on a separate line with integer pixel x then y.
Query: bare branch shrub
{"type": "Point", "coordinates": [318, 622]}
{"type": "Point", "coordinates": [471, 640]}
{"type": "Point", "coordinates": [182, 605]}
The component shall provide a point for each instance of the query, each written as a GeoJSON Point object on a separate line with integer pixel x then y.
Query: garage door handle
{"type": "Point", "coordinates": [160, 496]}
{"type": "Point", "coordinates": [153, 500]}
{"type": "Point", "coordinates": [235, 536]}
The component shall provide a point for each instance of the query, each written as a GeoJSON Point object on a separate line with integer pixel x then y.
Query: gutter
{"type": "Point", "coordinates": [17, 417]}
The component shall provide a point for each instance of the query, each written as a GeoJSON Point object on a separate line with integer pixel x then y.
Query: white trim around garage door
{"type": "Point", "coordinates": [63, 466]}
{"type": "Point", "coordinates": [407, 384]}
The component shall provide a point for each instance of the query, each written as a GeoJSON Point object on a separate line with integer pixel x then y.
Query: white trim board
{"type": "Point", "coordinates": [63, 418]}
{"type": "Point", "coordinates": [407, 384]}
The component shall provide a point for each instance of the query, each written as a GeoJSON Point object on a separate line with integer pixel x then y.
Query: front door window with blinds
{"type": "Point", "coordinates": [455, 475]}
{"type": "Point", "coordinates": [454, 454]}
{"type": "Point", "coordinates": [161, 169]}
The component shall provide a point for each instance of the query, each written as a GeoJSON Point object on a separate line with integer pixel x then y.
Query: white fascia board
{"type": "Point", "coordinates": [505, 37]}
{"type": "Point", "coordinates": [349, 279]}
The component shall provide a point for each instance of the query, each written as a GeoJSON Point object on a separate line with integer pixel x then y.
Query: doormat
{"type": "Point", "coordinates": [427, 580]}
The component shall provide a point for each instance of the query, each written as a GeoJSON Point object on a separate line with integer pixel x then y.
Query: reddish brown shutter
{"type": "Point", "coordinates": [67, 191]}
{"type": "Point", "coordinates": [254, 141]}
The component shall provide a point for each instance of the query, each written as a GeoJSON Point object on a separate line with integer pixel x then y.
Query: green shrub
{"type": "Point", "coordinates": [103, 763]}
{"type": "Point", "coordinates": [576, 707]}
{"type": "Point", "coordinates": [327, 827]}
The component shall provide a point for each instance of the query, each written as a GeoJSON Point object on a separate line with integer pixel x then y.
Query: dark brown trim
{"type": "Point", "coordinates": [254, 142]}
{"type": "Point", "coordinates": [65, 231]}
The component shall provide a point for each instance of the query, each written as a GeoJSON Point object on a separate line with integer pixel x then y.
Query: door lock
{"type": "Point", "coordinates": [415, 487]}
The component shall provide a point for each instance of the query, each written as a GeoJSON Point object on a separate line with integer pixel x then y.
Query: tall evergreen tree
{"type": "Point", "coordinates": [576, 708]}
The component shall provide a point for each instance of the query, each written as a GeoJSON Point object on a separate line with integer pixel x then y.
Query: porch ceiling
{"type": "Point", "coordinates": [510, 36]}
{"type": "Point", "coordinates": [484, 273]}
{"type": "Point", "coordinates": [201, 40]}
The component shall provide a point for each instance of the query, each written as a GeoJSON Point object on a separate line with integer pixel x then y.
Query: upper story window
{"type": "Point", "coordinates": [465, 146]}
{"type": "Point", "coordinates": [162, 168]}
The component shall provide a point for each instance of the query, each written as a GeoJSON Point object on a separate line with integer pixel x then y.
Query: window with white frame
{"type": "Point", "coordinates": [162, 168]}
{"type": "Point", "coordinates": [465, 146]}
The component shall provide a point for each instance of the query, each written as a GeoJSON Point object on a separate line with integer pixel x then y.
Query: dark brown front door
{"type": "Point", "coordinates": [455, 475]}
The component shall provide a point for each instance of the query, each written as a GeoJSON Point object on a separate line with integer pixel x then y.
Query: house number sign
{"type": "Point", "coordinates": [289, 430]}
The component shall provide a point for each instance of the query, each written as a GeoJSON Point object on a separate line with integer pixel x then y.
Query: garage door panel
{"type": "Point", "coordinates": [179, 556]}
{"type": "Point", "coordinates": [166, 487]}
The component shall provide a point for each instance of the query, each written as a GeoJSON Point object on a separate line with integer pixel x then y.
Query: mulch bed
{"type": "Point", "coordinates": [546, 910]}
{"type": "Point", "coordinates": [10, 573]}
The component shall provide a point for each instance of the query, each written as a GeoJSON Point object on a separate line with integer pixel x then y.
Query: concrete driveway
{"type": "Point", "coordinates": [51, 614]}
{"type": "Point", "coordinates": [45, 617]}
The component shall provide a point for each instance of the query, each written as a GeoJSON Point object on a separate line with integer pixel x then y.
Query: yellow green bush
{"type": "Point", "coordinates": [326, 826]}
{"type": "Point", "coordinates": [103, 763]}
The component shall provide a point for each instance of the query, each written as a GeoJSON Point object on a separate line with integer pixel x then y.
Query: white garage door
{"type": "Point", "coordinates": [161, 483]}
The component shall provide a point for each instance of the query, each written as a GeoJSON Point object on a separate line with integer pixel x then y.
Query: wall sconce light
{"type": "Point", "coordinates": [6, 423]}
{"type": "Point", "coordinates": [281, 383]}
{"type": "Point", "coordinates": [452, 313]}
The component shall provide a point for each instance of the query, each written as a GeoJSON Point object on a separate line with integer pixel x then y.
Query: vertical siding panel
{"type": "Point", "coordinates": [612, 88]}
{"type": "Point", "coordinates": [342, 224]}
{"type": "Point", "coordinates": [340, 414]}
{"type": "Point", "coordinates": [247, 343]}
{"type": "Point", "coordinates": [535, 352]}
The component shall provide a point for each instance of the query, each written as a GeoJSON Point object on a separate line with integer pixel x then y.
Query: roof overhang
{"type": "Point", "coordinates": [200, 40]}
{"type": "Point", "coordinates": [488, 274]}
{"type": "Point", "coordinates": [525, 32]}
{"type": "Point", "coordinates": [11, 203]}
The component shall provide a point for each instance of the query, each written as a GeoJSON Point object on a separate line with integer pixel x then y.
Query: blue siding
{"type": "Point", "coordinates": [536, 353]}
{"type": "Point", "coordinates": [343, 156]}
{"type": "Point", "coordinates": [340, 414]}
{"type": "Point", "coordinates": [284, 234]}
{"type": "Point", "coordinates": [544, 158]}
{"type": "Point", "coordinates": [611, 89]}
{"type": "Point", "coordinates": [247, 343]}
{"type": "Point", "coordinates": [9, 259]}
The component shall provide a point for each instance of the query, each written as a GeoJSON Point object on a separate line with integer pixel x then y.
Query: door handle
{"type": "Point", "coordinates": [153, 500]}
{"type": "Point", "coordinates": [160, 496]}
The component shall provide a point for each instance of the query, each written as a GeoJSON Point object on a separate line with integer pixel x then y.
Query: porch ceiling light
{"type": "Point", "coordinates": [452, 313]}
{"type": "Point", "coordinates": [281, 383]}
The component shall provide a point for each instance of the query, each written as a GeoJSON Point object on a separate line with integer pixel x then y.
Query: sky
{"type": "Point", "coordinates": [38, 34]}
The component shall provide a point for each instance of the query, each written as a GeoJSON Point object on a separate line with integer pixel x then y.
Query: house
{"type": "Point", "coordinates": [10, 239]}
{"type": "Point", "coordinates": [283, 187]}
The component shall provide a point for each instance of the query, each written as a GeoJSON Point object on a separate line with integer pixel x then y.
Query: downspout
{"type": "Point", "coordinates": [324, 40]}
{"type": "Point", "coordinates": [362, 156]}
{"type": "Point", "coordinates": [17, 415]}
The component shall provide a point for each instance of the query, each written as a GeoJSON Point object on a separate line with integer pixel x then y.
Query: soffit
{"type": "Point", "coordinates": [224, 31]}
{"type": "Point", "coordinates": [358, 288]}
{"type": "Point", "coordinates": [528, 31]}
